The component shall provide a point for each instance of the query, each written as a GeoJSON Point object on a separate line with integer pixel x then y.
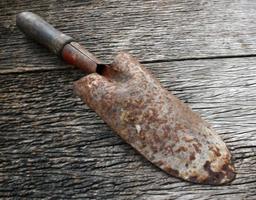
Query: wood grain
{"type": "Point", "coordinates": [52, 146]}
{"type": "Point", "coordinates": [151, 30]}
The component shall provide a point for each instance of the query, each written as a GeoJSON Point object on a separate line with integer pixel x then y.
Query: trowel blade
{"type": "Point", "coordinates": [156, 123]}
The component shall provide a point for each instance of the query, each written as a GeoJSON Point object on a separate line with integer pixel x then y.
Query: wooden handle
{"type": "Point", "coordinates": [59, 43]}
{"type": "Point", "coordinates": [42, 32]}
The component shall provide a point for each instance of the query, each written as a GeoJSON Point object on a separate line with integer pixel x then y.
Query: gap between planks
{"type": "Point", "coordinates": [19, 70]}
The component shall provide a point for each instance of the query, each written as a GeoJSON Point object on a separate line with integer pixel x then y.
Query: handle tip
{"type": "Point", "coordinates": [42, 32]}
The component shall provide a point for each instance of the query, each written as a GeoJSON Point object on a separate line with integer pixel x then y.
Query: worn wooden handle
{"type": "Point", "coordinates": [59, 43]}
{"type": "Point", "coordinates": [42, 32]}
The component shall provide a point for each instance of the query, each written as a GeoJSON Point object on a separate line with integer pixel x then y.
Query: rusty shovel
{"type": "Point", "coordinates": [144, 114]}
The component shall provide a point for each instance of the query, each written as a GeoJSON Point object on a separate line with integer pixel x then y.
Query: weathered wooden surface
{"type": "Point", "coordinates": [151, 30]}
{"type": "Point", "coordinates": [53, 146]}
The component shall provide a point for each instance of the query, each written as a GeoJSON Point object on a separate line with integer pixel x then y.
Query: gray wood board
{"type": "Point", "coordinates": [151, 30]}
{"type": "Point", "coordinates": [54, 146]}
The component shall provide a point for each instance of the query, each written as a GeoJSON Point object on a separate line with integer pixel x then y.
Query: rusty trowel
{"type": "Point", "coordinates": [144, 114]}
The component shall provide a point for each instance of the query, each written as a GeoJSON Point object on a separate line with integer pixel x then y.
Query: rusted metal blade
{"type": "Point", "coordinates": [157, 124]}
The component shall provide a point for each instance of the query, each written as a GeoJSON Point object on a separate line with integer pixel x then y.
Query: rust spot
{"type": "Point", "coordinates": [197, 148]}
{"type": "Point", "coordinates": [142, 135]}
{"type": "Point", "coordinates": [171, 171]}
{"type": "Point", "coordinates": [169, 150]}
{"type": "Point", "coordinates": [192, 156]}
{"type": "Point", "coordinates": [215, 150]}
{"type": "Point", "coordinates": [159, 163]}
{"type": "Point", "coordinates": [229, 171]}
{"type": "Point", "coordinates": [175, 138]}
{"type": "Point", "coordinates": [193, 179]}
{"type": "Point", "coordinates": [213, 177]}
{"type": "Point", "coordinates": [166, 134]}
{"type": "Point", "coordinates": [188, 138]}
{"type": "Point", "coordinates": [216, 178]}
{"type": "Point", "coordinates": [179, 127]}
{"type": "Point", "coordinates": [156, 139]}
{"type": "Point", "coordinates": [166, 129]}
{"type": "Point", "coordinates": [180, 149]}
{"type": "Point", "coordinates": [154, 148]}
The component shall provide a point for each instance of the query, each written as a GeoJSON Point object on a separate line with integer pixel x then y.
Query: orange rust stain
{"type": "Point", "coordinates": [192, 156]}
{"type": "Point", "coordinates": [180, 149]}
{"type": "Point", "coordinates": [175, 138]}
{"type": "Point", "coordinates": [187, 138]}
{"type": "Point", "coordinates": [171, 171]}
{"type": "Point", "coordinates": [215, 150]}
{"type": "Point", "coordinates": [197, 148]}
{"type": "Point", "coordinates": [142, 135]}
{"type": "Point", "coordinates": [159, 163]}
{"type": "Point", "coordinates": [169, 149]}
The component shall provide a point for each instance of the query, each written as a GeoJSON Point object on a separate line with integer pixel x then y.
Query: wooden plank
{"type": "Point", "coordinates": [151, 30]}
{"type": "Point", "coordinates": [53, 146]}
